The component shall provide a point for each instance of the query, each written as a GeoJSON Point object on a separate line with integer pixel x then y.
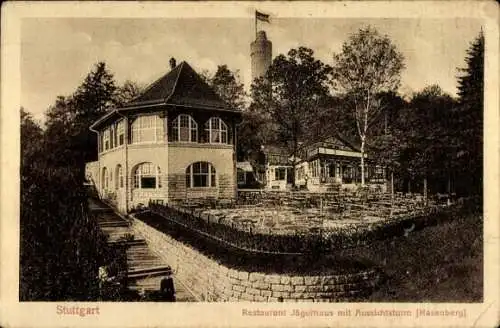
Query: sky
{"type": "Point", "coordinates": [57, 53]}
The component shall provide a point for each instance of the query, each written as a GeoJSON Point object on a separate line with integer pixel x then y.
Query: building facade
{"type": "Point", "coordinates": [331, 164]}
{"type": "Point", "coordinates": [278, 168]}
{"type": "Point", "coordinates": [335, 163]}
{"type": "Point", "coordinates": [175, 141]}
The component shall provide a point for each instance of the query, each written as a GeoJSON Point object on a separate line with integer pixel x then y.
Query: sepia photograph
{"type": "Point", "coordinates": [261, 158]}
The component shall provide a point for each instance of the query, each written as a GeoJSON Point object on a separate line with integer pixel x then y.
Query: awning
{"type": "Point", "coordinates": [245, 166]}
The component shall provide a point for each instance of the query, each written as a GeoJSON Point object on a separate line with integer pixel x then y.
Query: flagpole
{"type": "Point", "coordinates": [256, 25]}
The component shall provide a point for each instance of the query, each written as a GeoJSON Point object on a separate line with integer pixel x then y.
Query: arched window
{"type": "Point", "coordinates": [216, 131]}
{"type": "Point", "coordinates": [185, 129]}
{"type": "Point", "coordinates": [200, 174]}
{"type": "Point", "coordinates": [119, 177]}
{"type": "Point", "coordinates": [147, 176]}
{"type": "Point", "coordinates": [105, 181]}
{"type": "Point", "coordinates": [147, 129]}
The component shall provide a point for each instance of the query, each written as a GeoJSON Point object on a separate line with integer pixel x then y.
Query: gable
{"type": "Point", "coordinates": [337, 143]}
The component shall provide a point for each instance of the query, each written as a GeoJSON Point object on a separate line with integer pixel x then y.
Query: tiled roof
{"type": "Point", "coordinates": [275, 150]}
{"type": "Point", "coordinates": [181, 86]}
{"type": "Point", "coordinates": [336, 141]}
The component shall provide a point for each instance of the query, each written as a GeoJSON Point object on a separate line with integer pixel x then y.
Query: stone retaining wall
{"type": "Point", "coordinates": [210, 281]}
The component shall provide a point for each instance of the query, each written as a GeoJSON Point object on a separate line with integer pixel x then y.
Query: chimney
{"type": "Point", "coordinates": [172, 63]}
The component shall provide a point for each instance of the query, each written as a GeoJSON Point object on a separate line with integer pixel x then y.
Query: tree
{"type": "Point", "coordinates": [228, 86]}
{"type": "Point", "coordinates": [61, 132]}
{"type": "Point", "coordinates": [368, 66]}
{"type": "Point", "coordinates": [69, 119]}
{"type": "Point", "coordinates": [430, 134]}
{"type": "Point", "coordinates": [59, 245]}
{"type": "Point", "coordinates": [469, 118]}
{"type": "Point", "coordinates": [31, 133]}
{"type": "Point", "coordinates": [254, 131]}
{"type": "Point", "coordinates": [388, 137]}
{"type": "Point", "coordinates": [290, 94]}
{"type": "Point", "coordinates": [126, 92]}
{"type": "Point", "coordinates": [92, 99]}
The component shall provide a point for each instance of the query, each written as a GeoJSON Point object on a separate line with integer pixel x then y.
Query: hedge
{"type": "Point", "coordinates": [320, 241]}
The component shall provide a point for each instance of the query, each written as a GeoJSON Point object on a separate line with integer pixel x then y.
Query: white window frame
{"type": "Point", "coordinates": [106, 141]}
{"type": "Point", "coordinates": [277, 171]}
{"type": "Point", "coordinates": [211, 175]}
{"type": "Point", "coordinates": [119, 177]}
{"type": "Point", "coordinates": [177, 125]}
{"type": "Point", "coordinates": [112, 138]}
{"type": "Point", "coordinates": [142, 123]}
{"type": "Point", "coordinates": [120, 128]}
{"type": "Point", "coordinates": [216, 128]}
{"type": "Point", "coordinates": [149, 170]}
{"type": "Point", "coordinates": [314, 168]}
{"type": "Point", "coordinates": [105, 182]}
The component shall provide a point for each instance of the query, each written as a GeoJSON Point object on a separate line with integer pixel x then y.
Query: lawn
{"type": "Point", "coordinates": [442, 263]}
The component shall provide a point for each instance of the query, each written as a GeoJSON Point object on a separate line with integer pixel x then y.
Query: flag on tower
{"type": "Point", "coordinates": [262, 17]}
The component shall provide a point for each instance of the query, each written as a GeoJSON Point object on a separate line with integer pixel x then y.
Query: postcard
{"type": "Point", "coordinates": [234, 164]}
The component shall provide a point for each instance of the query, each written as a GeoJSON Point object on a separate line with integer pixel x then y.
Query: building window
{"type": "Point", "coordinates": [105, 181]}
{"type": "Point", "coordinates": [315, 168]}
{"type": "Point", "coordinates": [300, 173]}
{"type": "Point", "coordinates": [101, 142]}
{"type": "Point", "coordinates": [184, 129]}
{"type": "Point", "coordinates": [106, 139]}
{"type": "Point", "coordinates": [113, 138]}
{"type": "Point", "coordinates": [147, 176]}
{"type": "Point", "coordinates": [347, 174]}
{"type": "Point", "coordinates": [280, 173]}
{"type": "Point", "coordinates": [147, 129]}
{"type": "Point", "coordinates": [200, 174]}
{"type": "Point", "coordinates": [216, 131]}
{"type": "Point", "coordinates": [330, 170]}
{"type": "Point", "coordinates": [119, 176]}
{"type": "Point", "coordinates": [121, 132]}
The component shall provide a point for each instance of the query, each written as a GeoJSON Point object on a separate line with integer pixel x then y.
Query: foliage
{"type": "Point", "coordinates": [60, 244]}
{"type": "Point", "coordinates": [254, 131]}
{"type": "Point", "coordinates": [126, 93]}
{"type": "Point", "coordinates": [228, 86]}
{"type": "Point", "coordinates": [428, 132]}
{"type": "Point", "coordinates": [368, 66]}
{"type": "Point", "coordinates": [290, 94]}
{"type": "Point", "coordinates": [469, 118]}
{"type": "Point", "coordinates": [448, 269]}
{"type": "Point", "coordinates": [68, 121]}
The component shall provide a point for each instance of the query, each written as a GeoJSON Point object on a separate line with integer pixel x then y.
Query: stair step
{"type": "Point", "coordinates": [135, 242]}
{"type": "Point", "coordinates": [162, 268]}
{"type": "Point", "coordinates": [113, 224]}
{"type": "Point", "coordinates": [144, 275]}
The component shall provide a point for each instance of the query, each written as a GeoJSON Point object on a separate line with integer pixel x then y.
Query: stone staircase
{"type": "Point", "coordinates": [145, 268]}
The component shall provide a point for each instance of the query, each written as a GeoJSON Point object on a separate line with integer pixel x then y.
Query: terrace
{"type": "Point", "coordinates": [295, 222]}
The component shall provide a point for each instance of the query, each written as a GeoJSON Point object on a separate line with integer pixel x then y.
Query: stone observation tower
{"type": "Point", "coordinates": [261, 54]}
